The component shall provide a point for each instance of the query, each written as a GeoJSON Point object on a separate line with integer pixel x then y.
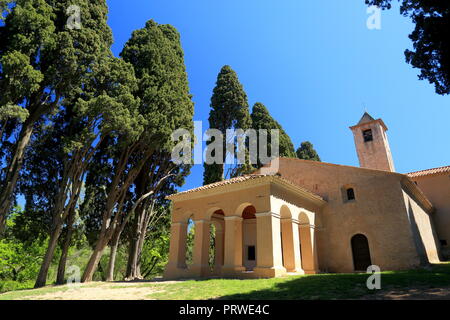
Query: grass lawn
{"type": "Point", "coordinates": [322, 286]}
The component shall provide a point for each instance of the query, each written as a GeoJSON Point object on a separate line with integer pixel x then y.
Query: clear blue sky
{"type": "Point", "coordinates": [313, 64]}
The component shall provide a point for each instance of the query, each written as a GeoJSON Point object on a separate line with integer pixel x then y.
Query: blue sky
{"type": "Point", "coordinates": [314, 64]}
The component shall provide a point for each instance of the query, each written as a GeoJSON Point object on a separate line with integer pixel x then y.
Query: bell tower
{"type": "Point", "coordinates": [372, 144]}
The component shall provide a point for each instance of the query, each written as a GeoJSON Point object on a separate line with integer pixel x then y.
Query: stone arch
{"type": "Point", "coordinates": [304, 218]}
{"type": "Point", "coordinates": [306, 237]}
{"type": "Point", "coordinates": [285, 212]}
{"type": "Point", "coordinates": [247, 211]}
{"type": "Point", "coordinates": [287, 239]}
{"type": "Point", "coordinates": [240, 208]}
{"type": "Point", "coordinates": [361, 253]}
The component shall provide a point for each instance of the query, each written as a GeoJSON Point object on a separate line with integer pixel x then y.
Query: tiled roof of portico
{"type": "Point", "coordinates": [246, 179]}
{"type": "Point", "coordinates": [429, 172]}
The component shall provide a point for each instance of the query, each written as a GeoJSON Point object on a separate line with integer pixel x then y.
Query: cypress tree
{"type": "Point", "coordinates": [261, 119]}
{"type": "Point", "coordinates": [229, 110]}
{"type": "Point", "coordinates": [42, 62]}
{"type": "Point", "coordinates": [307, 152]}
{"type": "Point", "coordinates": [165, 105]}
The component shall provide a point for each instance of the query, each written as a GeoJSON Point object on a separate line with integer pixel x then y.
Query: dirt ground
{"type": "Point", "coordinates": [102, 291]}
{"type": "Point", "coordinates": [136, 291]}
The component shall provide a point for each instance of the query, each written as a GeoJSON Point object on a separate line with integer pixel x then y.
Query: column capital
{"type": "Point", "coordinates": [295, 221]}
{"type": "Point", "coordinates": [179, 223]}
{"type": "Point", "coordinates": [202, 221]}
{"type": "Point", "coordinates": [238, 218]}
{"type": "Point", "coordinates": [268, 214]}
{"type": "Point", "coordinates": [307, 225]}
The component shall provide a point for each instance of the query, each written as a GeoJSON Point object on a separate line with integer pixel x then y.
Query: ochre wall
{"type": "Point", "coordinates": [374, 154]}
{"type": "Point", "coordinates": [422, 228]}
{"type": "Point", "coordinates": [437, 190]}
{"type": "Point", "coordinates": [378, 212]}
{"type": "Point", "coordinates": [232, 203]}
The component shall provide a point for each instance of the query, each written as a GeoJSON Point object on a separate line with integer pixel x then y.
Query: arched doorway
{"type": "Point", "coordinates": [361, 252]}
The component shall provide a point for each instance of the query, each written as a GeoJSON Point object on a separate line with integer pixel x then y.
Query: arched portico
{"type": "Point", "coordinates": [257, 233]}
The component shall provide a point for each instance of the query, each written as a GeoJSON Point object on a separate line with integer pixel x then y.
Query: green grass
{"type": "Point", "coordinates": [322, 286]}
{"type": "Point", "coordinates": [6, 286]}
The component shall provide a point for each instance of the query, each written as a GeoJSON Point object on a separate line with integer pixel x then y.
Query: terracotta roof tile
{"type": "Point", "coordinates": [243, 179]}
{"type": "Point", "coordinates": [224, 182]}
{"type": "Point", "coordinates": [428, 172]}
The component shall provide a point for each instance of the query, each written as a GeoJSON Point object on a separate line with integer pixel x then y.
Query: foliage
{"type": "Point", "coordinates": [307, 152]}
{"type": "Point", "coordinates": [190, 243]}
{"type": "Point", "coordinates": [431, 39]}
{"type": "Point", "coordinates": [261, 119]}
{"type": "Point", "coordinates": [20, 261]}
{"type": "Point", "coordinates": [10, 285]}
{"type": "Point", "coordinates": [155, 255]}
{"type": "Point", "coordinates": [43, 65]}
{"type": "Point", "coordinates": [229, 110]}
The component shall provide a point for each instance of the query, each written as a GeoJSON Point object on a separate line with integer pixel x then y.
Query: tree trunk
{"type": "Point", "coordinates": [65, 249]}
{"type": "Point", "coordinates": [132, 273]}
{"type": "Point", "coordinates": [2, 225]}
{"type": "Point", "coordinates": [130, 252]}
{"type": "Point", "coordinates": [95, 258]}
{"type": "Point", "coordinates": [112, 258]}
{"type": "Point", "coordinates": [12, 173]}
{"type": "Point", "coordinates": [52, 243]}
{"type": "Point", "coordinates": [142, 235]}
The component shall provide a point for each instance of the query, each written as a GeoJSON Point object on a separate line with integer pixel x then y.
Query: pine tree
{"type": "Point", "coordinates": [229, 110]}
{"type": "Point", "coordinates": [261, 119]}
{"type": "Point", "coordinates": [307, 152]}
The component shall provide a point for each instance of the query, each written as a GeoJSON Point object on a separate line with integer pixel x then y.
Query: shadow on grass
{"type": "Point", "coordinates": [348, 286]}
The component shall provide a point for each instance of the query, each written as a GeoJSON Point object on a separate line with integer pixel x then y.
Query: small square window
{"type": "Point", "coordinates": [367, 134]}
{"type": "Point", "coordinates": [350, 194]}
{"type": "Point", "coordinates": [443, 242]}
{"type": "Point", "coordinates": [251, 253]}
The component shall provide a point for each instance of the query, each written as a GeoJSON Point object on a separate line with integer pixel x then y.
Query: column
{"type": "Point", "coordinates": [200, 265]}
{"type": "Point", "coordinates": [268, 245]}
{"type": "Point", "coordinates": [219, 250]}
{"type": "Point", "coordinates": [309, 249]}
{"type": "Point", "coordinates": [291, 245]}
{"type": "Point", "coordinates": [233, 246]}
{"type": "Point", "coordinates": [177, 252]}
{"type": "Point", "coordinates": [297, 251]}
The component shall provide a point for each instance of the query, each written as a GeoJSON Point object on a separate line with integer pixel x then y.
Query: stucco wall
{"type": "Point", "coordinates": [374, 154]}
{"type": "Point", "coordinates": [378, 212]}
{"type": "Point", "coordinates": [437, 190]}
{"type": "Point", "coordinates": [232, 203]}
{"type": "Point", "coordinates": [424, 235]}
